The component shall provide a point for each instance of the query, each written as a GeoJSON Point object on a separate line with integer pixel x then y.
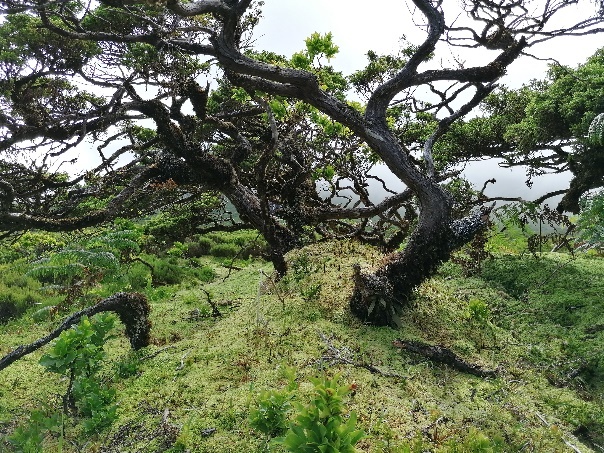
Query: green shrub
{"type": "Point", "coordinates": [320, 426]}
{"type": "Point", "coordinates": [478, 310]}
{"type": "Point", "coordinates": [9, 309]}
{"type": "Point", "coordinates": [15, 300]}
{"type": "Point", "coordinates": [224, 250]}
{"type": "Point", "coordinates": [30, 437]}
{"type": "Point", "coordinates": [167, 273]}
{"type": "Point", "coordinates": [271, 412]}
{"type": "Point", "coordinates": [35, 243]}
{"type": "Point", "coordinates": [178, 249]}
{"type": "Point", "coordinates": [200, 248]}
{"type": "Point", "coordinates": [77, 355]}
{"type": "Point", "coordinates": [205, 273]}
{"type": "Point", "coordinates": [139, 277]}
{"type": "Point", "coordinates": [128, 366]}
{"type": "Point", "coordinates": [217, 238]}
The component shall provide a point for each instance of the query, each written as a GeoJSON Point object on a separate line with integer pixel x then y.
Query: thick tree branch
{"type": "Point", "coordinates": [132, 309]}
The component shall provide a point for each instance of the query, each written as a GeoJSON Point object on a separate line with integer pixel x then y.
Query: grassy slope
{"type": "Point", "coordinates": [538, 321]}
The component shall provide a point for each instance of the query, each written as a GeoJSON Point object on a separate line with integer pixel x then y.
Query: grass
{"type": "Point", "coordinates": [537, 321]}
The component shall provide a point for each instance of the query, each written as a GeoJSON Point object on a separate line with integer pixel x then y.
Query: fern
{"type": "Point", "coordinates": [124, 241]}
{"type": "Point", "coordinates": [74, 271]}
{"type": "Point", "coordinates": [66, 264]}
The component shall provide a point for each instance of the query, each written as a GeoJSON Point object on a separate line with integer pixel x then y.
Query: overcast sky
{"type": "Point", "coordinates": [379, 24]}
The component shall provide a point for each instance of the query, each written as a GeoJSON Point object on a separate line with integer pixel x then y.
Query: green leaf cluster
{"type": "Point", "coordinates": [29, 438]}
{"type": "Point", "coordinates": [80, 349]}
{"type": "Point", "coordinates": [318, 45]}
{"type": "Point", "coordinates": [78, 354]}
{"type": "Point", "coordinates": [22, 38]}
{"type": "Point", "coordinates": [379, 69]}
{"type": "Point", "coordinates": [320, 426]}
{"type": "Point", "coordinates": [270, 416]}
{"type": "Point", "coordinates": [65, 265]}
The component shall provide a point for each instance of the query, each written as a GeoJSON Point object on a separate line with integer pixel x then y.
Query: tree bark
{"type": "Point", "coordinates": [380, 298]}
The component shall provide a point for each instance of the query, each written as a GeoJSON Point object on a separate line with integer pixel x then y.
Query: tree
{"type": "Point", "coordinates": [549, 126]}
{"type": "Point", "coordinates": [118, 47]}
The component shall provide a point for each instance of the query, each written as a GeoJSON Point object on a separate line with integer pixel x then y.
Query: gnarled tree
{"type": "Point", "coordinates": [119, 47]}
{"type": "Point", "coordinates": [549, 126]}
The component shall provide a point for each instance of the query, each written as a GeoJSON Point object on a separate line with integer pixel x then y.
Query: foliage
{"type": "Point", "coordinates": [320, 426]}
{"type": "Point", "coordinates": [180, 221]}
{"type": "Point", "coordinates": [36, 243]}
{"type": "Point", "coordinates": [270, 416]}
{"type": "Point", "coordinates": [545, 346]}
{"type": "Point", "coordinates": [78, 354]}
{"type": "Point", "coordinates": [18, 292]}
{"type": "Point", "coordinates": [167, 272]}
{"type": "Point", "coordinates": [66, 266]}
{"type": "Point", "coordinates": [548, 126]}
{"type": "Point", "coordinates": [29, 438]}
{"type": "Point", "coordinates": [139, 276]}
{"type": "Point", "coordinates": [79, 351]}
{"type": "Point", "coordinates": [73, 272]}
{"type": "Point", "coordinates": [224, 250]}
{"type": "Point", "coordinates": [590, 223]}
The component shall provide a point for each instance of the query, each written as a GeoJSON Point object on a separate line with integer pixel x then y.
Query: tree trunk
{"type": "Point", "coordinates": [380, 298]}
{"type": "Point", "coordinates": [279, 238]}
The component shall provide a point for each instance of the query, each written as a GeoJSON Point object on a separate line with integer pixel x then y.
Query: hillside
{"type": "Point", "coordinates": [537, 322]}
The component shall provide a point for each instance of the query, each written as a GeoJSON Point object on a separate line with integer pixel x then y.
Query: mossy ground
{"type": "Point", "coordinates": [538, 321]}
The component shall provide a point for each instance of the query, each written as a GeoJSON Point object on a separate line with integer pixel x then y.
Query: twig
{"type": "Point", "coordinates": [215, 312]}
{"type": "Point", "coordinates": [277, 292]}
{"type": "Point", "coordinates": [546, 423]}
{"type": "Point", "coordinates": [335, 355]}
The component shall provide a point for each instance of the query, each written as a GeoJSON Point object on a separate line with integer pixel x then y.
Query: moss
{"type": "Point", "coordinates": [207, 371]}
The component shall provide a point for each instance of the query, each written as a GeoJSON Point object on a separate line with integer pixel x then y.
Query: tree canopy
{"type": "Point", "coordinates": [176, 104]}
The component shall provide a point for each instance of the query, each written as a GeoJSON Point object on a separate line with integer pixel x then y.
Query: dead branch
{"type": "Point", "coordinates": [334, 355]}
{"type": "Point", "coordinates": [441, 354]}
{"type": "Point", "coordinates": [215, 312]}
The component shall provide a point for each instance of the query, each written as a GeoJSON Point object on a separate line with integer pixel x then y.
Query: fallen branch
{"type": "Point", "coordinates": [335, 355]}
{"type": "Point", "coordinates": [215, 312]}
{"type": "Point", "coordinates": [443, 355]}
{"type": "Point", "coordinates": [132, 309]}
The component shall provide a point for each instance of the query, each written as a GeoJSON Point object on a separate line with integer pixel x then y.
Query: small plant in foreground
{"type": "Point", "coordinates": [77, 355]}
{"type": "Point", "coordinates": [478, 310]}
{"type": "Point", "coordinates": [320, 426]}
{"type": "Point", "coordinates": [30, 437]}
{"type": "Point", "coordinates": [270, 415]}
